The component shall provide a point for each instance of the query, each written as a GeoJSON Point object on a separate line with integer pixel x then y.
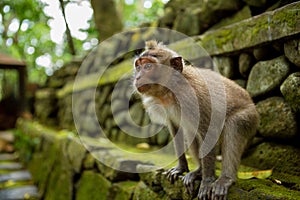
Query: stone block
{"type": "Point", "coordinates": [76, 153]}
{"type": "Point", "coordinates": [246, 61]}
{"type": "Point", "coordinates": [291, 91]}
{"type": "Point", "coordinates": [116, 168]}
{"type": "Point", "coordinates": [224, 65]}
{"type": "Point", "coordinates": [122, 190]}
{"type": "Point", "coordinates": [92, 185]}
{"type": "Point", "coordinates": [276, 119]}
{"type": "Point", "coordinates": [280, 158]}
{"type": "Point", "coordinates": [266, 76]}
{"type": "Point", "coordinates": [292, 51]}
{"type": "Point", "coordinates": [145, 193]}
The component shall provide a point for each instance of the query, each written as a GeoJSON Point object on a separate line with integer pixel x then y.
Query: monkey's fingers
{"type": "Point", "coordinates": [173, 174]}
{"type": "Point", "coordinates": [219, 192]}
{"type": "Point", "coordinates": [188, 184]}
{"type": "Point", "coordinates": [205, 189]}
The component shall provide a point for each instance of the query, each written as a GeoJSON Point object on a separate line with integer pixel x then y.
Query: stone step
{"type": "Point", "coordinates": [8, 157]}
{"type": "Point", "coordinates": [7, 136]}
{"type": "Point", "coordinates": [18, 193]}
{"type": "Point", "coordinates": [11, 166]}
{"type": "Point", "coordinates": [16, 176]}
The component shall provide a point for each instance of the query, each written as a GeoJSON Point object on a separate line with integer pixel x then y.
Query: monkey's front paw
{"type": "Point", "coordinates": [220, 188]}
{"type": "Point", "coordinates": [206, 188]}
{"type": "Point", "coordinates": [189, 181]}
{"type": "Point", "coordinates": [173, 173]}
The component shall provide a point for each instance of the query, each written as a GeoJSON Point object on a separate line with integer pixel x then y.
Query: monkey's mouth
{"type": "Point", "coordinates": [143, 88]}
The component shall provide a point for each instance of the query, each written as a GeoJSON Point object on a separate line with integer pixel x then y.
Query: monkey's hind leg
{"type": "Point", "coordinates": [238, 130]}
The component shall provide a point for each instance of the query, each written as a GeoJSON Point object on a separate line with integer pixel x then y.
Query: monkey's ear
{"type": "Point", "coordinates": [177, 63]}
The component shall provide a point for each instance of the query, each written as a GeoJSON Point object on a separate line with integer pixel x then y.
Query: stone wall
{"type": "Point", "coordinates": [63, 169]}
{"type": "Point", "coordinates": [260, 53]}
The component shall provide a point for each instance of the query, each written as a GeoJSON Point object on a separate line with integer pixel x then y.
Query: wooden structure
{"type": "Point", "coordinates": [9, 63]}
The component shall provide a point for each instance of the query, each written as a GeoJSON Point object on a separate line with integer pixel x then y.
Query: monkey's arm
{"type": "Point", "coordinates": [182, 166]}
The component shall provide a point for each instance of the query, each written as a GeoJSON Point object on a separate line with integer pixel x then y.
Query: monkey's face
{"type": "Point", "coordinates": [146, 74]}
{"type": "Point", "coordinates": [151, 77]}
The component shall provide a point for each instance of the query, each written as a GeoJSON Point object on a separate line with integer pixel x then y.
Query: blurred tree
{"type": "Point", "coordinates": [137, 12]}
{"type": "Point", "coordinates": [107, 19]}
{"type": "Point", "coordinates": [24, 33]}
{"type": "Point", "coordinates": [25, 30]}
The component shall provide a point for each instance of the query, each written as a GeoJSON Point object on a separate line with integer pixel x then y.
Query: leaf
{"type": "Point", "coordinates": [261, 174]}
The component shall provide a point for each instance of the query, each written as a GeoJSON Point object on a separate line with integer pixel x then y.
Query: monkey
{"type": "Point", "coordinates": [201, 108]}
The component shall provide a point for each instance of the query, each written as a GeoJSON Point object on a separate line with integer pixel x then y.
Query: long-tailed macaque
{"type": "Point", "coordinates": [200, 108]}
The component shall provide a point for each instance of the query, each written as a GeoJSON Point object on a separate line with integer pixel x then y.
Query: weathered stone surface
{"type": "Point", "coordinates": [266, 76]}
{"type": "Point", "coordinates": [89, 124]}
{"type": "Point", "coordinates": [122, 190]}
{"type": "Point", "coordinates": [46, 106]}
{"type": "Point", "coordinates": [261, 189]}
{"type": "Point", "coordinates": [89, 162]}
{"type": "Point", "coordinates": [246, 62]}
{"type": "Point", "coordinates": [137, 112]}
{"type": "Point", "coordinates": [76, 152]}
{"type": "Point", "coordinates": [292, 51]}
{"type": "Point", "coordinates": [16, 176]}
{"type": "Point", "coordinates": [276, 119]}
{"type": "Point", "coordinates": [280, 158]}
{"type": "Point", "coordinates": [8, 157]}
{"type": "Point", "coordinates": [176, 190]}
{"type": "Point", "coordinates": [291, 91]}
{"type": "Point", "coordinates": [92, 186]}
{"type": "Point", "coordinates": [224, 65]}
{"type": "Point", "coordinates": [64, 74]}
{"type": "Point", "coordinates": [145, 193]}
{"type": "Point", "coordinates": [268, 26]}
{"type": "Point", "coordinates": [24, 192]}
{"type": "Point", "coordinates": [116, 168]}
{"type": "Point", "coordinates": [10, 166]}
{"type": "Point", "coordinates": [61, 176]}
{"type": "Point", "coordinates": [186, 20]}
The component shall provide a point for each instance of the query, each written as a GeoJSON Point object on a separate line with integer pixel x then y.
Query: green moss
{"type": "Point", "coordinates": [14, 184]}
{"type": "Point", "coordinates": [261, 189]}
{"type": "Point", "coordinates": [143, 192]}
{"type": "Point", "coordinates": [92, 186]}
{"type": "Point", "coordinates": [122, 190]}
{"type": "Point", "coordinates": [91, 81]}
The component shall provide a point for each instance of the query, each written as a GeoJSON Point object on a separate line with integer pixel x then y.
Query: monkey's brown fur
{"type": "Point", "coordinates": [191, 99]}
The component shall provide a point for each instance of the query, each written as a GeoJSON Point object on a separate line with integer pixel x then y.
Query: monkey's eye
{"type": "Point", "coordinates": [148, 66]}
{"type": "Point", "coordinates": [138, 68]}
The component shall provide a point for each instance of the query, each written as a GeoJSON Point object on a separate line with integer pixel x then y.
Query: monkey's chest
{"type": "Point", "coordinates": [160, 112]}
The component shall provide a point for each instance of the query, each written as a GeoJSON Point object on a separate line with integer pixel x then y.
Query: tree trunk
{"type": "Point", "coordinates": [107, 19]}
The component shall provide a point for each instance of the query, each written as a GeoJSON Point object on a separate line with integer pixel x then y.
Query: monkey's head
{"type": "Point", "coordinates": [155, 67]}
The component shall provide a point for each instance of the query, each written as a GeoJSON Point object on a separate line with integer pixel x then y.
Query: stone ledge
{"type": "Point", "coordinates": [258, 30]}
{"type": "Point", "coordinates": [249, 33]}
{"type": "Point", "coordinates": [61, 176]}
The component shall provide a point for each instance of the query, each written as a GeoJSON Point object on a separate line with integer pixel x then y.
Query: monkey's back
{"type": "Point", "coordinates": [211, 86]}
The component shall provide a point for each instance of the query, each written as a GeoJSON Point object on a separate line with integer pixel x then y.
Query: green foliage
{"type": "Point", "coordinates": [25, 34]}
{"type": "Point", "coordinates": [25, 144]}
{"type": "Point", "coordinates": [136, 14]}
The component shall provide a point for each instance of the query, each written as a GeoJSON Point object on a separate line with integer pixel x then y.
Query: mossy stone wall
{"type": "Point", "coordinates": [267, 66]}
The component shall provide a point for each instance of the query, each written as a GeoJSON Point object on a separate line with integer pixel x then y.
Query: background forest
{"type": "Point", "coordinates": [46, 34]}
